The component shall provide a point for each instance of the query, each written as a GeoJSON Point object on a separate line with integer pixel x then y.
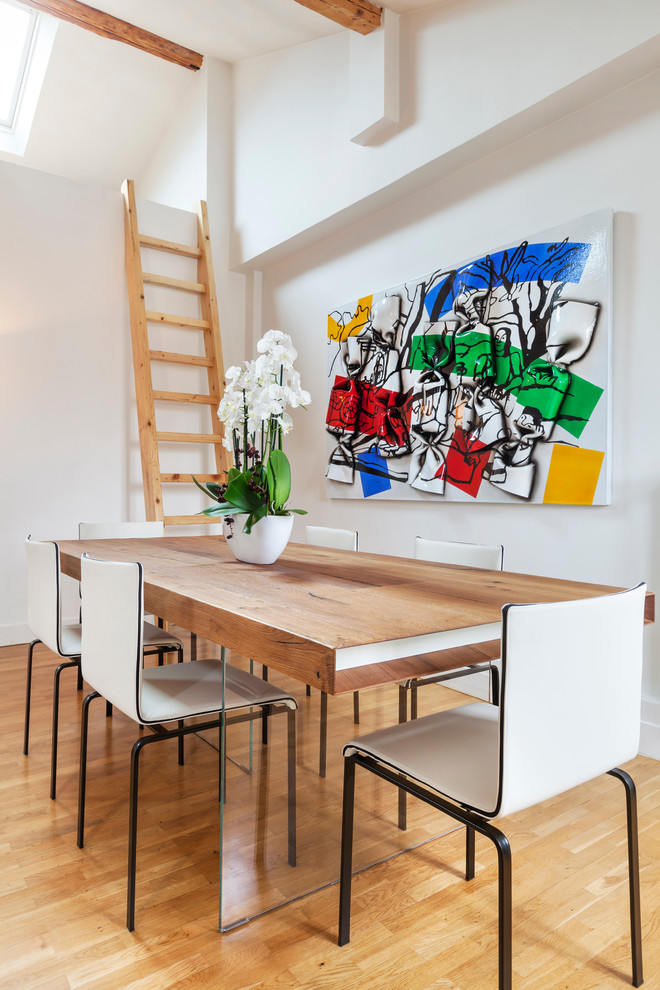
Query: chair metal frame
{"type": "Point", "coordinates": [481, 823]}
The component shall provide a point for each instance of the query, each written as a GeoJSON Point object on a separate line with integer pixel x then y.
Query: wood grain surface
{"type": "Point", "coordinates": [295, 614]}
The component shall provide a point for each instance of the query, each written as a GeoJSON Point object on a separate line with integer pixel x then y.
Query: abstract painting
{"type": "Point", "coordinates": [484, 381]}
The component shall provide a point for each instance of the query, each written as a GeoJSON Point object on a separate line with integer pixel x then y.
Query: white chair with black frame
{"type": "Point", "coordinates": [486, 556]}
{"type": "Point", "coordinates": [334, 539]}
{"type": "Point", "coordinates": [481, 762]}
{"type": "Point", "coordinates": [112, 666]}
{"type": "Point", "coordinates": [62, 638]}
{"type": "Point", "coordinates": [134, 530]}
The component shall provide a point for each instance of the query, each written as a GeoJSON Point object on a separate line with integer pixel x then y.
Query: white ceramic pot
{"type": "Point", "coordinates": [264, 544]}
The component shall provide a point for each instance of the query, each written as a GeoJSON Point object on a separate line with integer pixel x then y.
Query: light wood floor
{"type": "Point", "coordinates": [416, 923]}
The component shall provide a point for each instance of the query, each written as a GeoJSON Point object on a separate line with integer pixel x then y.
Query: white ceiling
{"type": "Point", "coordinates": [234, 29]}
{"type": "Point", "coordinates": [104, 105]}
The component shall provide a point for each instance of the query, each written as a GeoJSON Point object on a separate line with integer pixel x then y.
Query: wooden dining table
{"type": "Point", "coordinates": [340, 621]}
{"type": "Point", "coordinates": [337, 620]}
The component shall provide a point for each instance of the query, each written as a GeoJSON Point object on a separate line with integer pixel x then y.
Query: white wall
{"type": "Point", "coordinates": [69, 445]}
{"type": "Point", "coordinates": [63, 367]}
{"type": "Point", "coordinates": [605, 155]}
{"type": "Point", "coordinates": [474, 75]}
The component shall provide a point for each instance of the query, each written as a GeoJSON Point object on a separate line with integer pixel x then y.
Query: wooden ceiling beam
{"type": "Point", "coordinates": [358, 15]}
{"type": "Point", "coordinates": [117, 30]}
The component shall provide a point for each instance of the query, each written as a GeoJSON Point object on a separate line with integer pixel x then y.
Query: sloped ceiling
{"type": "Point", "coordinates": [104, 105]}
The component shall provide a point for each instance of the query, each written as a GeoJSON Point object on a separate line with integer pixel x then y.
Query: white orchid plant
{"type": "Point", "coordinates": [253, 411]}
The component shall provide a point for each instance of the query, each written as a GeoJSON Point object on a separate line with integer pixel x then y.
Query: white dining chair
{"type": "Point", "coordinates": [333, 539]}
{"type": "Point", "coordinates": [112, 643]}
{"type": "Point", "coordinates": [488, 557]}
{"type": "Point", "coordinates": [64, 639]}
{"type": "Point", "coordinates": [480, 762]}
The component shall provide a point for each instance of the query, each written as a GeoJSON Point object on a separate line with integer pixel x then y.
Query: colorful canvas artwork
{"type": "Point", "coordinates": [488, 381]}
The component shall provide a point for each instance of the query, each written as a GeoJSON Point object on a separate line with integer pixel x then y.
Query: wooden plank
{"type": "Point", "coordinates": [172, 320]}
{"type": "Point", "coordinates": [188, 478]}
{"type": "Point", "coordinates": [212, 340]}
{"type": "Point", "coordinates": [153, 496]}
{"type": "Point", "coordinates": [203, 400]}
{"type": "Point", "coordinates": [358, 15]}
{"type": "Point", "coordinates": [115, 29]}
{"type": "Point", "coordinates": [173, 283]}
{"type": "Point", "coordinates": [172, 357]}
{"type": "Point", "coordinates": [172, 247]}
{"type": "Point", "coordinates": [188, 437]}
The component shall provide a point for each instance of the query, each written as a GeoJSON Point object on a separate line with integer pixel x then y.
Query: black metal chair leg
{"type": "Point", "coordinates": [323, 734]}
{"type": "Point", "coordinates": [469, 853]}
{"type": "Point", "coordinates": [193, 646]}
{"type": "Point", "coordinates": [413, 700]}
{"type": "Point", "coordinates": [180, 723]}
{"type": "Point", "coordinates": [264, 714]}
{"type": "Point", "coordinates": [494, 684]}
{"type": "Point", "coordinates": [79, 685]}
{"type": "Point", "coordinates": [633, 874]}
{"type": "Point", "coordinates": [82, 778]}
{"type": "Point", "coordinates": [291, 784]}
{"type": "Point", "coordinates": [56, 720]}
{"type": "Point", "coordinates": [402, 796]}
{"type": "Point", "coordinates": [308, 691]}
{"type": "Point", "coordinates": [346, 871]}
{"type": "Point", "coordinates": [28, 696]}
{"type": "Point", "coordinates": [356, 707]}
{"type": "Point", "coordinates": [108, 710]}
{"type": "Point", "coordinates": [132, 833]}
{"type": "Point", "coordinates": [504, 907]}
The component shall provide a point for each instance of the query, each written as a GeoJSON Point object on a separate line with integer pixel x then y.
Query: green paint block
{"type": "Point", "coordinates": [578, 405]}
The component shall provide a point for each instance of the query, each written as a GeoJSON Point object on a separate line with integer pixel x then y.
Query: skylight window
{"type": "Point", "coordinates": [17, 26]}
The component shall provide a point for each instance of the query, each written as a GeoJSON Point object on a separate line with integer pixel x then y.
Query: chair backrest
{"type": "Point", "coordinates": [334, 539]}
{"type": "Point", "coordinates": [44, 599]}
{"type": "Point", "coordinates": [571, 693]}
{"type": "Point", "coordinates": [112, 631]}
{"type": "Point", "coordinates": [489, 557]}
{"type": "Point", "coordinates": [120, 530]}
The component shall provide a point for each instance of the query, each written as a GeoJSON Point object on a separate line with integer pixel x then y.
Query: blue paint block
{"type": "Point", "coordinates": [373, 484]}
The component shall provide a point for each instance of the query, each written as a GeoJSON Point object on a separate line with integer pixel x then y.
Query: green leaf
{"type": "Point", "coordinates": [204, 489]}
{"type": "Point", "coordinates": [278, 472]}
{"type": "Point", "coordinates": [222, 510]}
{"type": "Point", "coordinates": [299, 512]}
{"type": "Point", "coordinates": [233, 473]}
{"type": "Point", "coordinates": [240, 495]}
{"type": "Point", "coordinates": [254, 517]}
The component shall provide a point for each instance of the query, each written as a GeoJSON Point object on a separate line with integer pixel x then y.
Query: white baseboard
{"type": "Point", "coordinates": [649, 743]}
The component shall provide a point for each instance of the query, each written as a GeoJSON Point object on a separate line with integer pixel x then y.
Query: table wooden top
{"type": "Point", "coordinates": [297, 613]}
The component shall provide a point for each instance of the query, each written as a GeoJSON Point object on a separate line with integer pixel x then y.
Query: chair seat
{"type": "Point", "coordinates": [154, 636]}
{"type": "Point", "coordinates": [71, 639]}
{"type": "Point", "coordinates": [455, 752]}
{"type": "Point", "coordinates": [181, 690]}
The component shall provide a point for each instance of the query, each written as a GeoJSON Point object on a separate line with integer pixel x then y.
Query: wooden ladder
{"type": "Point", "coordinates": [143, 356]}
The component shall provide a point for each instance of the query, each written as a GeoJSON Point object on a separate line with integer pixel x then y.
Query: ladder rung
{"type": "Point", "coordinates": [205, 400]}
{"type": "Point", "coordinates": [173, 283]}
{"type": "Point", "coordinates": [189, 437]}
{"type": "Point", "coordinates": [191, 521]}
{"type": "Point", "coordinates": [171, 320]}
{"type": "Point", "coordinates": [172, 358]}
{"type": "Point", "coordinates": [171, 246]}
{"type": "Point", "coordinates": [187, 479]}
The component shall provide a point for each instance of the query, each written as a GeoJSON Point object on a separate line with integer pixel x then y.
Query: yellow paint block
{"type": "Point", "coordinates": [573, 475]}
{"type": "Point", "coordinates": [339, 331]}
